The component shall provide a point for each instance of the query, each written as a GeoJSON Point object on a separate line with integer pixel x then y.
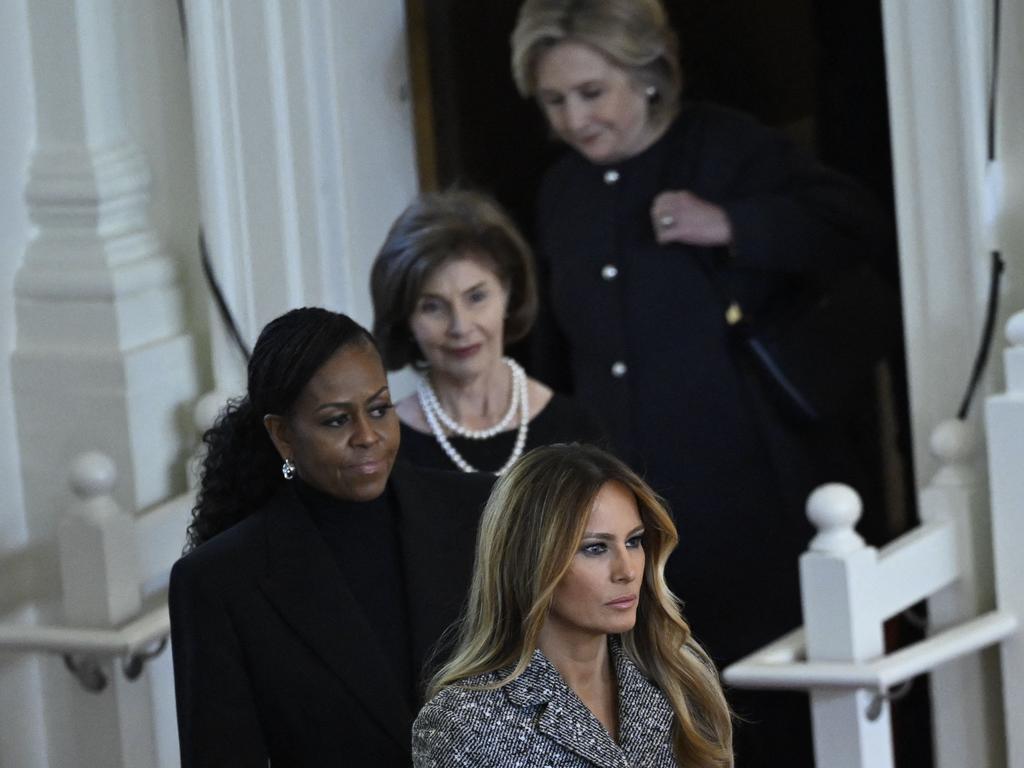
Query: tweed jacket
{"type": "Point", "coordinates": [538, 720]}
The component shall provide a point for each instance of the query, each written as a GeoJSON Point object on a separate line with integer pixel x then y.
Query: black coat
{"type": "Point", "coordinates": [635, 331]}
{"type": "Point", "coordinates": [273, 657]}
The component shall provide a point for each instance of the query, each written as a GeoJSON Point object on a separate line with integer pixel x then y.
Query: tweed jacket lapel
{"type": "Point", "coordinates": [564, 718]}
{"type": "Point", "coordinates": [645, 716]}
{"type": "Point", "coordinates": [302, 581]}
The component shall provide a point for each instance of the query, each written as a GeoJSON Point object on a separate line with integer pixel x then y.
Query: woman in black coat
{"type": "Point", "coordinates": [660, 215]}
{"type": "Point", "coordinates": [318, 579]}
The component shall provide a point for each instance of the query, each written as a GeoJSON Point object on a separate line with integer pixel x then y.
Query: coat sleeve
{"type": "Point", "coordinates": [440, 739]}
{"type": "Point", "coordinates": [787, 212]}
{"type": "Point", "coordinates": [217, 719]}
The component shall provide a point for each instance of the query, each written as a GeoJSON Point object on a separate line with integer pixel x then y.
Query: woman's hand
{"type": "Point", "coordinates": [682, 217]}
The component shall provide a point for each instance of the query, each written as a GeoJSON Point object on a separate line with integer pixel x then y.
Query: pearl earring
{"type": "Point", "coordinates": [651, 91]}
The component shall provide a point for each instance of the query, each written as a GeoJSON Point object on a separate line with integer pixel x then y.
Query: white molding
{"type": "Point", "coordinates": [935, 68]}
{"type": "Point", "coordinates": [306, 152]}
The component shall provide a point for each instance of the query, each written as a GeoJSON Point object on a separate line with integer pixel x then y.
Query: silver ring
{"type": "Point", "coordinates": [666, 221]}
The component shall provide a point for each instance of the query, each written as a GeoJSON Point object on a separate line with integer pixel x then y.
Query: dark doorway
{"type": "Point", "coordinates": [813, 68]}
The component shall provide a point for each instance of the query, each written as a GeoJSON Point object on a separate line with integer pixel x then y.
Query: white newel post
{"type": "Point", "coordinates": [101, 354]}
{"type": "Point", "coordinates": [1005, 424]}
{"type": "Point", "coordinates": [966, 719]}
{"type": "Point", "coordinates": [838, 591]}
{"type": "Point", "coordinates": [112, 726]}
{"type": "Point", "coordinates": [102, 357]}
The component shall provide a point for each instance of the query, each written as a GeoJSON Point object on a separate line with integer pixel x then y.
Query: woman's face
{"type": "Point", "coordinates": [593, 105]}
{"type": "Point", "coordinates": [342, 433]}
{"type": "Point", "coordinates": [459, 318]}
{"type": "Point", "coordinates": [600, 592]}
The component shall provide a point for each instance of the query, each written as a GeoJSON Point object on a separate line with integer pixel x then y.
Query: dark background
{"type": "Point", "coordinates": [812, 68]}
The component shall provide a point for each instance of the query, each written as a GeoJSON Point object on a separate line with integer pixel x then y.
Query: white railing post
{"type": "Point", "coordinates": [966, 722]}
{"type": "Point", "coordinates": [1005, 427]}
{"type": "Point", "coordinates": [837, 587]}
{"type": "Point", "coordinates": [111, 715]}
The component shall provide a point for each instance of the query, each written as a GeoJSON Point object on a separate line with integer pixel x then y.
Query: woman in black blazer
{"type": "Point", "coordinates": [318, 579]}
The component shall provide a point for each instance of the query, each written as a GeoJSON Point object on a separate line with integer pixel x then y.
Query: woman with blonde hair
{"type": "Point", "coordinates": [573, 651]}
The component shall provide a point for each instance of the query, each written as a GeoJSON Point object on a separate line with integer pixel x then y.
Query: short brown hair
{"type": "Point", "coordinates": [435, 228]}
{"type": "Point", "coordinates": [634, 35]}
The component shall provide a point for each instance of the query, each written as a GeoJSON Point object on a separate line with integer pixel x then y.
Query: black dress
{"type": "Point", "coordinates": [635, 331]}
{"type": "Point", "coordinates": [560, 421]}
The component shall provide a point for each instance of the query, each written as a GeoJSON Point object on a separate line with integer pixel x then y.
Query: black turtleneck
{"type": "Point", "coordinates": [364, 538]}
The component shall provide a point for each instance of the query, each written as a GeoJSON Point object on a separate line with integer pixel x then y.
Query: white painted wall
{"type": "Point", "coordinates": [22, 739]}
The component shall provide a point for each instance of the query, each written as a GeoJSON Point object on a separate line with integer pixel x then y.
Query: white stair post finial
{"type": "Point", "coordinates": [98, 557]}
{"type": "Point", "coordinates": [834, 510]}
{"type": "Point", "coordinates": [954, 443]}
{"type": "Point", "coordinates": [1014, 354]}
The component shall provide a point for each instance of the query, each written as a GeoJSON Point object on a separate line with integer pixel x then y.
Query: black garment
{"type": "Point", "coordinates": [560, 421]}
{"type": "Point", "coordinates": [636, 331]}
{"type": "Point", "coordinates": [276, 659]}
{"type": "Point", "coordinates": [364, 539]}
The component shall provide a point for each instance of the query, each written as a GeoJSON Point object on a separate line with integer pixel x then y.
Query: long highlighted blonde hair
{"type": "Point", "coordinates": [530, 530]}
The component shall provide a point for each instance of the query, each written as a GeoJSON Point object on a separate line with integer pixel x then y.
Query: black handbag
{"type": "Point", "coordinates": [818, 350]}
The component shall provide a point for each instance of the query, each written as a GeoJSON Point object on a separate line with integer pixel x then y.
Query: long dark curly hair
{"type": "Point", "coordinates": [242, 469]}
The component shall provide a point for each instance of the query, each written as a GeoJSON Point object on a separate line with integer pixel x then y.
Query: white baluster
{"type": "Point", "coordinates": [1004, 419]}
{"type": "Point", "coordinates": [838, 590]}
{"type": "Point", "coordinates": [113, 726]}
{"type": "Point", "coordinates": [965, 730]}
{"type": "Point", "coordinates": [98, 560]}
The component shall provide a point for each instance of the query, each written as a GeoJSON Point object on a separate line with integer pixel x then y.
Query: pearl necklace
{"type": "Point", "coordinates": [435, 415]}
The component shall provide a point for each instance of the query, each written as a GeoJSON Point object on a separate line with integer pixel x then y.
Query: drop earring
{"type": "Point", "coordinates": [288, 469]}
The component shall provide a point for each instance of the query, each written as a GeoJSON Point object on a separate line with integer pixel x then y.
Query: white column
{"type": "Point", "coordinates": [1005, 422]}
{"type": "Point", "coordinates": [306, 152]}
{"type": "Point", "coordinates": [937, 76]}
{"type": "Point", "coordinates": [102, 358]}
{"type": "Point", "coordinates": [838, 592]}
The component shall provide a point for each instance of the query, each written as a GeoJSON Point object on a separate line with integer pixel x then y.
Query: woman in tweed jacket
{"type": "Point", "coordinates": [573, 652]}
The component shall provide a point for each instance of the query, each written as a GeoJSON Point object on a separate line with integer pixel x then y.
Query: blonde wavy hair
{"type": "Point", "coordinates": [634, 35]}
{"type": "Point", "coordinates": [530, 530]}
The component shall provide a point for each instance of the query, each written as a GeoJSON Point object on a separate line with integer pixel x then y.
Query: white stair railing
{"type": "Point", "coordinates": [113, 617]}
{"type": "Point", "coordinates": [850, 589]}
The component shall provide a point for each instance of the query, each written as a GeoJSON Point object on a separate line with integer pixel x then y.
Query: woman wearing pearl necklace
{"type": "Point", "coordinates": [452, 285]}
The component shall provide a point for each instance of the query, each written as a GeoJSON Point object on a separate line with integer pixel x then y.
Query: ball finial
{"type": "Point", "coordinates": [834, 509]}
{"type": "Point", "coordinates": [93, 474]}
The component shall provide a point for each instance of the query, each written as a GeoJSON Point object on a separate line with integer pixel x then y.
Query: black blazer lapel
{"type": "Point", "coordinates": [304, 584]}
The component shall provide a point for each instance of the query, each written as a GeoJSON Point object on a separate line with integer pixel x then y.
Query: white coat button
{"type": "Point", "coordinates": [611, 176]}
{"type": "Point", "coordinates": [609, 271]}
{"type": "Point", "coordinates": [619, 369]}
